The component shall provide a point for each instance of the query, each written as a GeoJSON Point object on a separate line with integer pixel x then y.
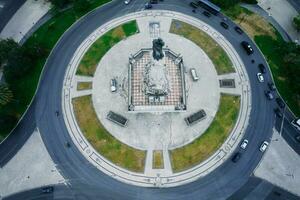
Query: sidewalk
{"type": "Point", "coordinates": [280, 165]}
{"type": "Point", "coordinates": [283, 12]}
{"type": "Point", "coordinates": [24, 19]}
{"type": "Point", "coordinates": [30, 168]}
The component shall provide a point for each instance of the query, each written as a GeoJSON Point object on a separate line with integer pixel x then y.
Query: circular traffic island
{"type": "Point", "coordinates": [156, 98]}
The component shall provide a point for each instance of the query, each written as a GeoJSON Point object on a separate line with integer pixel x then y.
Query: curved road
{"type": "Point", "coordinates": [87, 182]}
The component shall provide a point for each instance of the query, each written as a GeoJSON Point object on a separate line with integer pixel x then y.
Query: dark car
{"type": "Point", "coordinates": [278, 112]}
{"type": "Point", "coordinates": [206, 13]}
{"type": "Point", "coordinates": [238, 30]}
{"type": "Point", "coordinates": [194, 5]}
{"type": "Point", "coordinates": [236, 157]}
{"type": "Point", "coordinates": [154, 1]}
{"type": "Point", "coordinates": [280, 102]}
{"type": "Point", "coordinates": [224, 25]}
{"type": "Point", "coordinates": [47, 189]}
{"type": "Point", "coordinates": [269, 94]}
{"type": "Point", "coordinates": [148, 6]}
{"type": "Point", "coordinates": [247, 47]}
{"type": "Point", "coordinates": [297, 138]}
{"type": "Point", "coordinates": [262, 68]}
{"type": "Point", "coordinates": [272, 86]}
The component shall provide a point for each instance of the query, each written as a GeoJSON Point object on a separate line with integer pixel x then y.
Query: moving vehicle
{"type": "Point", "coordinates": [113, 85]}
{"type": "Point", "coordinates": [209, 6]}
{"type": "Point", "coordinates": [224, 25]}
{"type": "Point", "coordinates": [296, 123]}
{"type": "Point", "coordinates": [297, 138]}
{"type": "Point", "coordinates": [269, 95]}
{"type": "Point", "coordinates": [247, 47]}
{"type": "Point", "coordinates": [46, 190]}
{"type": "Point", "coordinates": [264, 146]}
{"type": "Point", "coordinates": [236, 157]}
{"type": "Point", "coordinates": [148, 5]}
{"type": "Point", "coordinates": [127, 2]}
{"type": "Point", "coordinates": [271, 86]}
{"type": "Point", "coordinates": [278, 112]}
{"type": "Point", "coordinates": [206, 13]}
{"type": "Point", "coordinates": [238, 30]}
{"type": "Point", "coordinates": [260, 77]}
{"type": "Point", "coordinates": [280, 102]}
{"type": "Point", "coordinates": [194, 74]}
{"type": "Point", "coordinates": [262, 68]}
{"type": "Point", "coordinates": [244, 144]}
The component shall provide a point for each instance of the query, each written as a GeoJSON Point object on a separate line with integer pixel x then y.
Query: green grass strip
{"type": "Point", "coordinates": [214, 51]}
{"type": "Point", "coordinates": [108, 146]}
{"type": "Point", "coordinates": [212, 139]}
{"type": "Point", "coordinates": [94, 54]}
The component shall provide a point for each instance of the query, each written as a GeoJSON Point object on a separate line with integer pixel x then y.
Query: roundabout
{"type": "Point", "coordinates": [79, 164]}
{"type": "Point", "coordinates": [156, 131]}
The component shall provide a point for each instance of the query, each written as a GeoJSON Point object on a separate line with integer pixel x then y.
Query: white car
{"type": "Point", "coordinates": [127, 2]}
{"type": "Point", "coordinates": [260, 77]}
{"type": "Point", "coordinates": [113, 85]}
{"type": "Point", "coordinates": [264, 146]}
{"type": "Point", "coordinates": [194, 74]}
{"type": "Point", "coordinates": [296, 124]}
{"type": "Point", "coordinates": [244, 144]}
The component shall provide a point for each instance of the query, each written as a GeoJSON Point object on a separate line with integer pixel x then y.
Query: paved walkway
{"type": "Point", "coordinates": [283, 12]}
{"type": "Point", "coordinates": [280, 165]}
{"type": "Point", "coordinates": [151, 177]}
{"type": "Point", "coordinates": [31, 167]}
{"type": "Point", "coordinates": [24, 19]}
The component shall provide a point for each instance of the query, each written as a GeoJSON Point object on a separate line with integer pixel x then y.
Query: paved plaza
{"type": "Point", "coordinates": [157, 130]}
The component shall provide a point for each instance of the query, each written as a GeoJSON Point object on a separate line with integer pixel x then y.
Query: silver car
{"type": "Point", "coordinates": [264, 146]}
{"type": "Point", "coordinates": [113, 85]}
{"type": "Point", "coordinates": [244, 144]}
{"type": "Point", "coordinates": [260, 77]}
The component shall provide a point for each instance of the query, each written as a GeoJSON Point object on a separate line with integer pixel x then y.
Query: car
{"type": "Point", "coordinates": [48, 189]}
{"type": "Point", "coordinates": [297, 138]}
{"type": "Point", "coordinates": [236, 157]}
{"type": "Point", "coordinates": [127, 2]}
{"type": "Point", "coordinates": [194, 74]}
{"type": "Point", "coordinates": [244, 144]}
{"type": "Point", "coordinates": [206, 13]}
{"type": "Point", "coordinates": [264, 146]}
{"type": "Point", "coordinates": [194, 5]}
{"type": "Point", "coordinates": [269, 94]}
{"type": "Point", "coordinates": [280, 102]}
{"type": "Point", "coordinates": [296, 124]}
{"type": "Point", "coordinates": [271, 86]}
{"type": "Point", "coordinates": [262, 68]}
{"type": "Point", "coordinates": [247, 47]}
{"type": "Point", "coordinates": [148, 5]}
{"type": "Point", "coordinates": [113, 85]}
{"type": "Point", "coordinates": [260, 77]}
{"type": "Point", "coordinates": [154, 1]}
{"type": "Point", "coordinates": [238, 30]}
{"type": "Point", "coordinates": [278, 112]}
{"type": "Point", "coordinates": [224, 25]}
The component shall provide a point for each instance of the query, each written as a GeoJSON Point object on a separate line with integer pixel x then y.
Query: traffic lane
{"type": "Point", "coordinates": [289, 134]}
{"type": "Point", "coordinates": [9, 8]}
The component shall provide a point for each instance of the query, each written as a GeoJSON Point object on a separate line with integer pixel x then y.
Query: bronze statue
{"type": "Point", "coordinates": [157, 48]}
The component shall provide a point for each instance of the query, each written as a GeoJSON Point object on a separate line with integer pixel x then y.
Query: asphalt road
{"type": "Point", "coordinates": [8, 9]}
{"type": "Point", "coordinates": [87, 182]}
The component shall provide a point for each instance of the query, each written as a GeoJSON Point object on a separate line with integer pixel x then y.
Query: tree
{"type": "Point", "coordinates": [6, 48]}
{"type": "Point", "coordinates": [81, 5]}
{"type": "Point", "coordinates": [6, 95]}
{"type": "Point", "coordinates": [225, 4]}
{"type": "Point", "coordinates": [59, 4]}
{"type": "Point", "coordinates": [296, 22]}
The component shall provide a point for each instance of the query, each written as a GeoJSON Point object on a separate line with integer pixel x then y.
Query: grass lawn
{"type": "Point", "coordinates": [212, 139]}
{"type": "Point", "coordinates": [108, 146]}
{"type": "Point", "coordinates": [84, 85]}
{"type": "Point", "coordinates": [267, 38]}
{"type": "Point", "coordinates": [214, 51]}
{"type": "Point", "coordinates": [92, 57]}
{"type": "Point", "coordinates": [158, 160]}
{"type": "Point", "coordinates": [24, 88]}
